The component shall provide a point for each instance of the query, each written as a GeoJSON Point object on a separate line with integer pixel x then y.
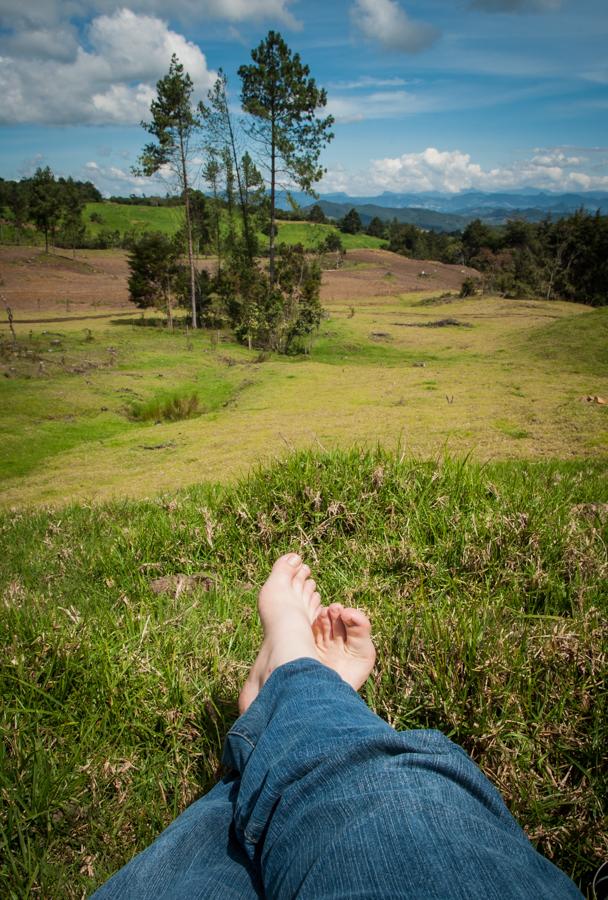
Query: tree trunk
{"type": "Point", "coordinates": [188, 229]}
{"type": "Point", "coordinates": [272, 201]}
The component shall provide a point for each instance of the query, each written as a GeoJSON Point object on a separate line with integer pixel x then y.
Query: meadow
{"type": "Point", "coordinates": [436, 460]}
{"type": "Point", "coordinates": [125, 217]}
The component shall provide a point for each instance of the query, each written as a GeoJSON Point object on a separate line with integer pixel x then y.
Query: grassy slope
{"type": "Point", "coordinates": [486, 590]}
{"type": "Point", "coordinates": [124, 217]}
{"type": "Point", "coordinates": [513, 384]}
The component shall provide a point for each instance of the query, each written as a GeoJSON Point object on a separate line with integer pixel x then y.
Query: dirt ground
{"type": "Point", "coordinates": [379, 273]}
{"type": "Point", "coordinates": [95, 281]}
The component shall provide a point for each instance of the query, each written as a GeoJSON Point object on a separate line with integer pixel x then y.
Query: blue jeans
{"type": "Point", "coordinates": [326, 800]}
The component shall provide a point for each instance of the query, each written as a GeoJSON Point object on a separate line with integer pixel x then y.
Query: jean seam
{"type": "Point", "coordinates": [245, 737]}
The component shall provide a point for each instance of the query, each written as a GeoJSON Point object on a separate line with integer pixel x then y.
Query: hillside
{"type": "Point", "coordinates": [423, 218]}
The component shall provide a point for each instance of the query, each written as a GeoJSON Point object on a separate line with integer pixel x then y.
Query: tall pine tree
{"type": "Point", "coordinates": [283, 100]}
{"type": "Point", "coordinates": [174, 122]}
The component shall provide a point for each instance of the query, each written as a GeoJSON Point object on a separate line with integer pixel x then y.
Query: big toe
{"type": "Point", "coordinates": [287, 566]}
{"type": "Point", "coordinates": [356, 623]}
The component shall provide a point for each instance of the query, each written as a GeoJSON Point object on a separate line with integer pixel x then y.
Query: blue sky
{"type": "Point", "coordinates": [436, 95]}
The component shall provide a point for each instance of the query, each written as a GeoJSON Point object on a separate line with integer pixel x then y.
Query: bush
{"type": "Point", "coordinates": [469, 287]}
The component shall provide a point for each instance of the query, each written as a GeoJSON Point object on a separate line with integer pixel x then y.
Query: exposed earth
{"type": "Point", "coordinates": [37, 285]}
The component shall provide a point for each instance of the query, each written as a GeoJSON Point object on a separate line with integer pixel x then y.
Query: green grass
{"type": "Point", "coordinates": [310, 235]}
{"type": "Point", "coordinates": [486, 588]}
{"type": "Point", "coordinates": [94, 390]}
{"type": "Point", "coordinates": [582, 349]}
{"type": "Point", "coordinates": [125, 217]}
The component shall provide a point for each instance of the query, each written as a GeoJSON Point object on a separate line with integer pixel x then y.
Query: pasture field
{"type": "Point", "coordinates": [125, 217]}
{"type": "Point", "coordinates": [436, 460]}
{"type": "Point", "coordinates": [499, 379]}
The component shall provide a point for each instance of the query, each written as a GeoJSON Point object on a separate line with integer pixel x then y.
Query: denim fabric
{"type": "Point", "coordinates": [327, 801]}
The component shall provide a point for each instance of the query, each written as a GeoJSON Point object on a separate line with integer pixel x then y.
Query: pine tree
{"type": "Point", "coordinates": [282, 101]}
{"type": "Point", "coordinates": [174, 123]}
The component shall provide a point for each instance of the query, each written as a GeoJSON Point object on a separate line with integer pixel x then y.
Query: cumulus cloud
{"type": "Point", "coordinates": [111, 81]}
{"type": "Point", "coordinates": [451, 171]}
{"type": "Point", "coordinates": [386, 23]}
{"type": "Point", "coordinates": [517, 6]}
{"type": "Point", "coordinates": [37, 13]}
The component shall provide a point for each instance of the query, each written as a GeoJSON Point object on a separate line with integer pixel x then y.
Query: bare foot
{"type": "Point", "coordinates": [288, 604]}
{"type": "Point", "coordinates": [343, 640]}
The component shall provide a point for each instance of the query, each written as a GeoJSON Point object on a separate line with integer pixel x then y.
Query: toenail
{"type": "Point", "coordinates": [294, 559]}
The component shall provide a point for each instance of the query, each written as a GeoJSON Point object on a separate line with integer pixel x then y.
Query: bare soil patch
{"type": "Point", "coordinates": [384, 274]}
{"type": "Point", "coordinates": [32, 281]}
{"type": "Point", "coordinates": [55, 283]}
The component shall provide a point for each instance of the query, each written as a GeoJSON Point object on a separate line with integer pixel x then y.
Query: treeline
{"type": "Point", "coordinates": [52, 205]}
{"type": "Point", "coordinates": [566, 258]}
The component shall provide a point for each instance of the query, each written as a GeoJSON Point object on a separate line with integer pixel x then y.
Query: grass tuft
{"type": "Point", "coordinates": [167, 409]}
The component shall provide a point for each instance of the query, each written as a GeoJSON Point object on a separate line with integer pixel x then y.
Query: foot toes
{"type": "Point", "coordinates": [322, 626]}
{"type": "Point", "coordinates": [301, 575]}
{"type": "Point", "coordinates": [309, 587]}
{"type": "Point", "coordinates": [356, 622]}
{"type": "Point", "coordinates": [289, 562]}
{"type": "Point", "coordinates": [338, 629]}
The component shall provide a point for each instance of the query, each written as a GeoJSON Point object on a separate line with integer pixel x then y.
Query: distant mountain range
{"type": "Point", "coordinates": [449, 212]}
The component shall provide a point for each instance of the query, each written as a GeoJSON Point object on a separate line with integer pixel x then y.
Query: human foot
{"type": "Point", "coordinates": [343, 640]}
{"type": "Point", "coordinates": [288, 604]}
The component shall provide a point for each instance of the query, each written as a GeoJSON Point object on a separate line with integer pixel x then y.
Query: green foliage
{"type": "Point", "coordinates": [332, 243]}
{"type": "Point", "coordinates": [484, 585]}
{"type": "Point", "coordinates": [469, 287]}
{"type": "Point", "coordinates": [565, 259]}
{"type": "Point", "coordinates": [283, 102]}
{"type": "Point", "coordinates": [351, 223]}
{"type": "Point", "coordinates": [153, 263]}
{"type": "Point", "coordinates": [316, 214]}
{"type": "Point", "coordinates": [44, 203]}
{"type": "Point", "coordinates": [376, 228]}
{"type": "Point", "coordinates": [173, 124]}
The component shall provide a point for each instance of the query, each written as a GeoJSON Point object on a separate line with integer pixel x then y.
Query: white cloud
{"type": "Point", "coordinates": [36, 13]}
{"type": "Point", "coordinates": [377, 105]}
{"type": "Point", "coordinates": [515, 6]}
{"type": "Point", "coordinates": [452, 171]}
{"type": "Point", "coordinates": [365, 81]}
{"type": "Point", "coordinates": [112, 179]}
{"type": "Point", "coordinates": [385, 22]}
{"type": "Point", "coordinates": [112, 81]}
{"type": "Point", "coordinates": [556, 158]}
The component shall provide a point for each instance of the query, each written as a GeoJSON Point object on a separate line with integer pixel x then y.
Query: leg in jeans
{"type": "Point", "coordinates": [327, 800]}
{"type": "Point", "coordinates": [333, 803]}
{"type": "Point", "coordinates": [197, 857]}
